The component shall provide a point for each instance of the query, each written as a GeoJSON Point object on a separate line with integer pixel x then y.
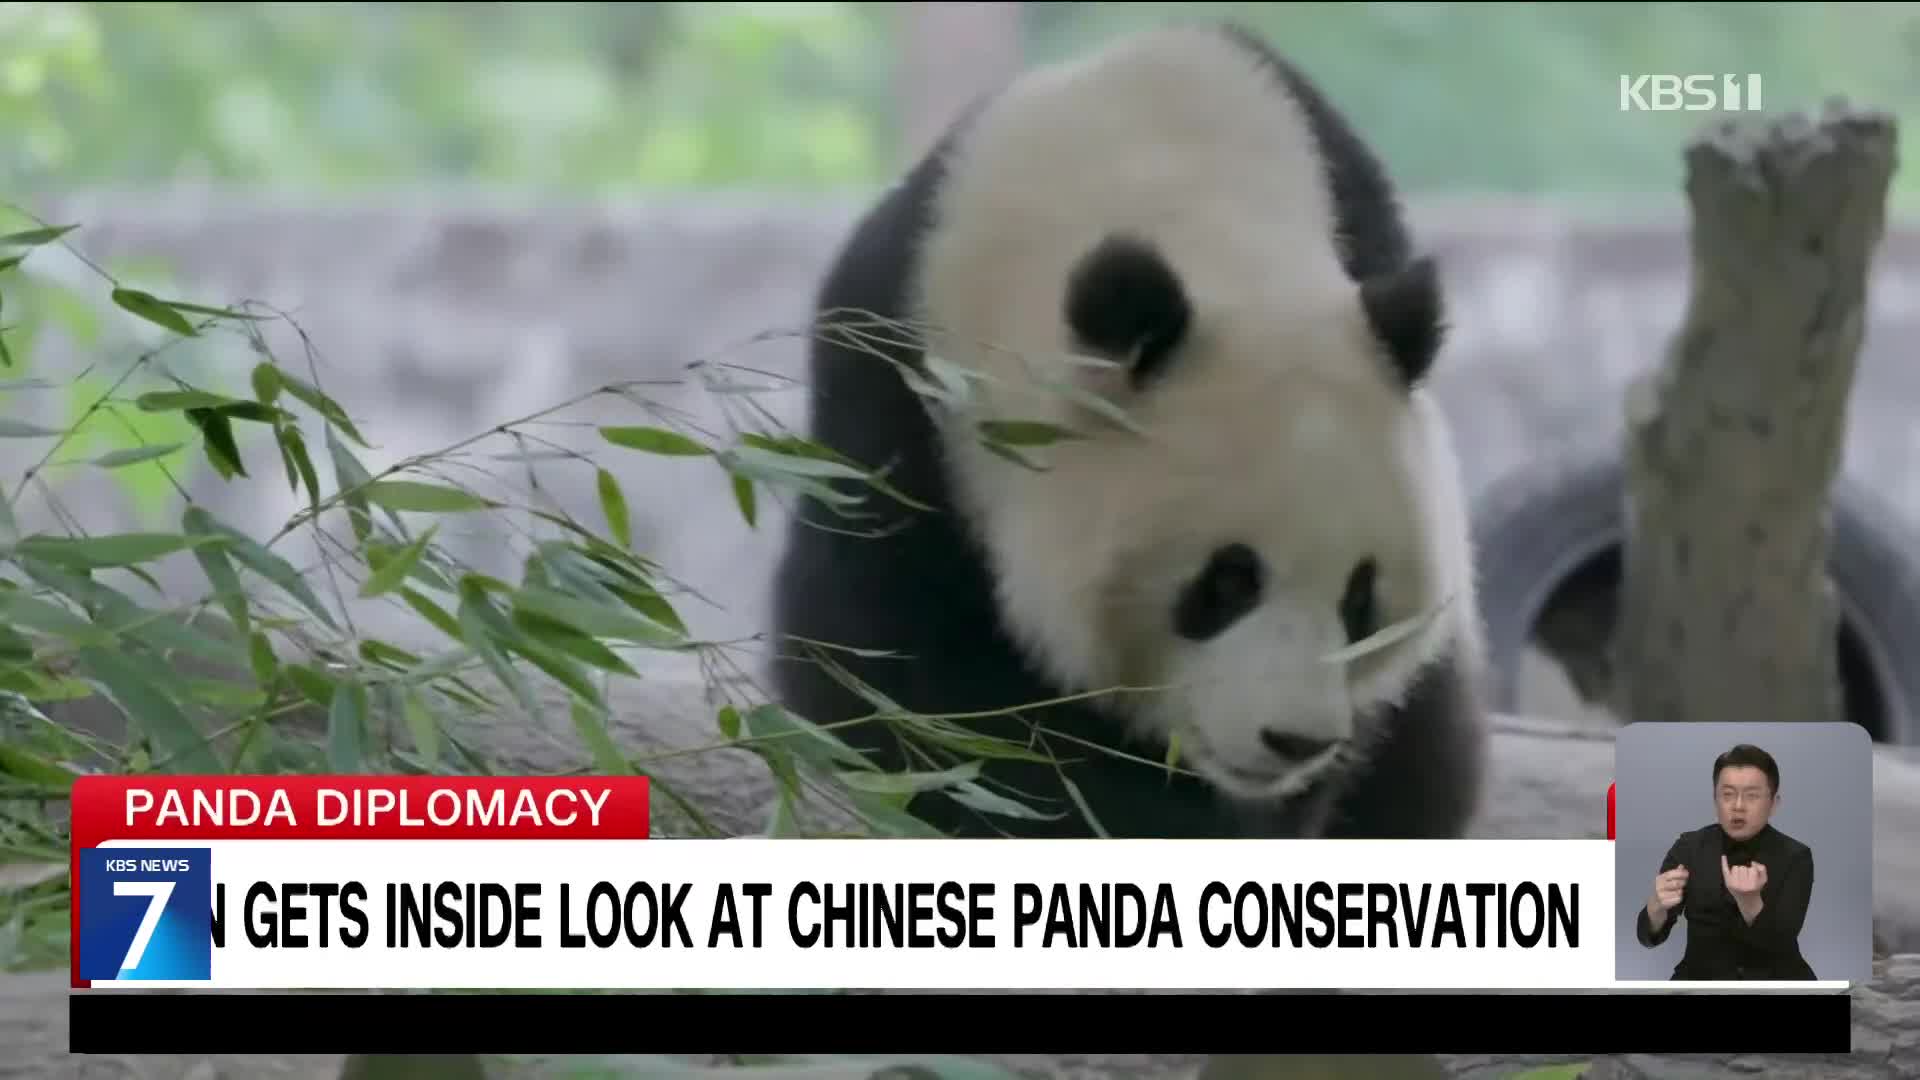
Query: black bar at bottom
{"type": "Point", "coordinates": [133, 1022]}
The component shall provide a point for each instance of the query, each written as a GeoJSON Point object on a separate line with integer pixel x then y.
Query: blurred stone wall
{"type": "Point", "coordinates": [435, 318]}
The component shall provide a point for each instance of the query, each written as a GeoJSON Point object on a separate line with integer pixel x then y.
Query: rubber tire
{"type": "Point", "coordinates": [1534, 527]}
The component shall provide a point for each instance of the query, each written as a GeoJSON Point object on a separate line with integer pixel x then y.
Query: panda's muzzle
{"type": "Point", "coordinates": [1308, 763]}
{"type": "Point", "coordinates": [1274, 761]}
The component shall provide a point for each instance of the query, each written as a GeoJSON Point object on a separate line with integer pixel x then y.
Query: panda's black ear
{"type": "Point", "coordinates": [1407, 313]}
{"type": "Point", "coordinates": [1125, 303]}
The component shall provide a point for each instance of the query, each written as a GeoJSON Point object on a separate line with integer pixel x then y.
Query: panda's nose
{"type": "Point", "coordinates": [1295, 747]}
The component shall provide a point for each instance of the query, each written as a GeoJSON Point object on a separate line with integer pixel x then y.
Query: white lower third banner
{"type": "Point", "coordinates": [845, 914]}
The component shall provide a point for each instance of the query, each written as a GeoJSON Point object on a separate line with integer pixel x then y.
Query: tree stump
{"type": "Point", "coordinates": [1733, 442]}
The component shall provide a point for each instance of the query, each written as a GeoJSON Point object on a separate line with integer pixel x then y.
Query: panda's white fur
{"type": "Point", "coordinates": [1282, 422]}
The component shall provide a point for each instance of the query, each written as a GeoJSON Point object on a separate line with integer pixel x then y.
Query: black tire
{"type": "Point", "coordinates": [1550, 533]}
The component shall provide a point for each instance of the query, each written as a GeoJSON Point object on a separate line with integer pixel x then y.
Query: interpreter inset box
{"type": "Point", "coordinates": [1743, 852]}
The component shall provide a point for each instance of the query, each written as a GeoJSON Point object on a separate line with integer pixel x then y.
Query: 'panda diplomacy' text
{"type": "Point", "coordinates": [917, 915]}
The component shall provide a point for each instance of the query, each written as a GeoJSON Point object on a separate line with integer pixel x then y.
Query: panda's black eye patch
{"type": "Point", "coordinates": [1358, 612]}
{"type": "Point", "coordinates": [1125, 303]}
{"type": "Point", "coordinates": [1227, 588]}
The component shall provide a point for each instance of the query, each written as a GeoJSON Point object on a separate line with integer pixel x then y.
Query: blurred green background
{"type": "Point", "coordinates": [569, 99]}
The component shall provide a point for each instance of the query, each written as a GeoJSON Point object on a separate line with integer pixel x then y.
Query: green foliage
{"type": "Point", "coordinates": [1523, 98]}
{"type": "Point", "coordinates": [582, 96]}
{"type": "Point", "coordinates": [260, 666]}
{"type": "Point", "coordinates": [686, 96]}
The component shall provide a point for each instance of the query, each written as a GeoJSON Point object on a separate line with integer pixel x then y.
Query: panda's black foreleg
{"type": "Point", "coordinates": [1424, 779]}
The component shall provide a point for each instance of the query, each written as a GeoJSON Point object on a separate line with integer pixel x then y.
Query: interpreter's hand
{"type": "Point", "coordinates": [1744, 882]}
{"type": "Point", "coordinates": [1669, 887]}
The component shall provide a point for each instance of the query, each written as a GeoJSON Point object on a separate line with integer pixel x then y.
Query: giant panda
{"type": "Point", "coordinates": [1178, 257]}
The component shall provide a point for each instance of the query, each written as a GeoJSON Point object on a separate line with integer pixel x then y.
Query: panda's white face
{"type": "Point", "coordinates": [1274, 507]}
{"type": "Point", "coordinates": [1275, 494]}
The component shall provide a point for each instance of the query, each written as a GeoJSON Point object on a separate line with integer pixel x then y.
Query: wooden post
{"type": "Point", "coordinates": [1733, 442]}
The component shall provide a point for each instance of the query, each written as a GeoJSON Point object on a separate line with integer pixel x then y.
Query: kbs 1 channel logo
{"type": "Point", "coordinates": [145, 914]}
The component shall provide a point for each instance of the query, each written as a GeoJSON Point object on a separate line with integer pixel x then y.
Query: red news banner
{"type": "Point", "coordinates": [144, 813]}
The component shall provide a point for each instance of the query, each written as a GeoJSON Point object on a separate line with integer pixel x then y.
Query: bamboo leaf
{"type": "Point", "coordinates": [33, 613]}
{"type": "Point", "coordinates": [975, 797]}
{"type": "Point", "coordinates": [24, 765]}
{"type": "Point", "coordinates": [395, 570]}
{"type": "Point", "coordinates": [177, 400]}
{"type": "Point", "coordinates": [266, 382]}
{"type": "Point", "coordinates": [223, 452]}
{"type": "Point", "coordinates": [654, 440]}
{"type": "Point", "coordinates": [309, 395]}
{"type": "Point", "coordinates": [566, 639]}
{"type": "Point", "coordinates": [770, 721]}
{"type": "Point", "coordinates": [260, 657]}
{"type": "Point", "coordinates": [433, 613]}
{"type": "Point", "coordinates": [391, 657]}
{"type": "Point", "coordinates": [101, 552]}
{"type": "Point", "coordinates": [1002, 450]}
{"type": "Point", "coordinates": [892, 820]}
{"type": "Point", "coordinates": [756, 460]}
{"type": "Point", "coordinates": [596, 620]}
{"type": "Point", "coordinates": [151, 709]}
{"type": "Point", "coordinates": [22, 429]}
{"type": "Point", "coordinates": [909, 783]}
{"type": "Point", "coordinates": [36, 237]}
{"type": "Point", "coordinates": [353, 478]}
{"type": "Point", "coordinates": [1086, 809]}
{"type": "Point", "coordinates": [220, 573]}
{"type": "Point", "coordinates": [294, 447]}
{"type": "Point", "coordinates": [1025, 432]}
{"type": "Point", "coordinates": [347, 728]}
{"type": "Point", "coordinates": [614, 505]}
{"type": "Point", "coordinates": [312, 684]}
{"type": "Point", "coordinates": [403, 495]}
{"type": "Point", "coordinates": [253, 556]}
{"type": "Point", "coordinates": [1095, 403]}
{"type": "Point", "coordinates": [120, 459]}
{"type": "Point", "coordinates": [591, 724]}
{"type": "Point", "coordinates": [219, 313]}
{"type": "Point", "coordinates": [1387, 636]}
{"type": "Point", "coordinates": [480, 624]}
{"type": "Point", "coordinates": [154, 310]}
{"type": "Point", "coordinates": [424, 727]}
{"type": "Point", "coordinates": [743, 498]}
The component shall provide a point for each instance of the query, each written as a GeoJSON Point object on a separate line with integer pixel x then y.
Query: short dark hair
{"type": "Point", "coordinates": [1748, 755]}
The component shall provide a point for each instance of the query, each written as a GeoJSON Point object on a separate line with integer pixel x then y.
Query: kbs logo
{"type": "Point", "coordinates": [1690, 93]}
{"type": "Point", "coordinates": [145, 913]}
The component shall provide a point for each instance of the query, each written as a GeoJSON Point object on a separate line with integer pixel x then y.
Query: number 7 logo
{"type": "Point", "coordinates": [144, 914]}
{"type": "Point", "coordinates": [157, 893]}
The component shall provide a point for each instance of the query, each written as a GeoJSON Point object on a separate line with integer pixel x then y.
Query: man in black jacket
{"type": "Point", "coordinates": [1742, 885]}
